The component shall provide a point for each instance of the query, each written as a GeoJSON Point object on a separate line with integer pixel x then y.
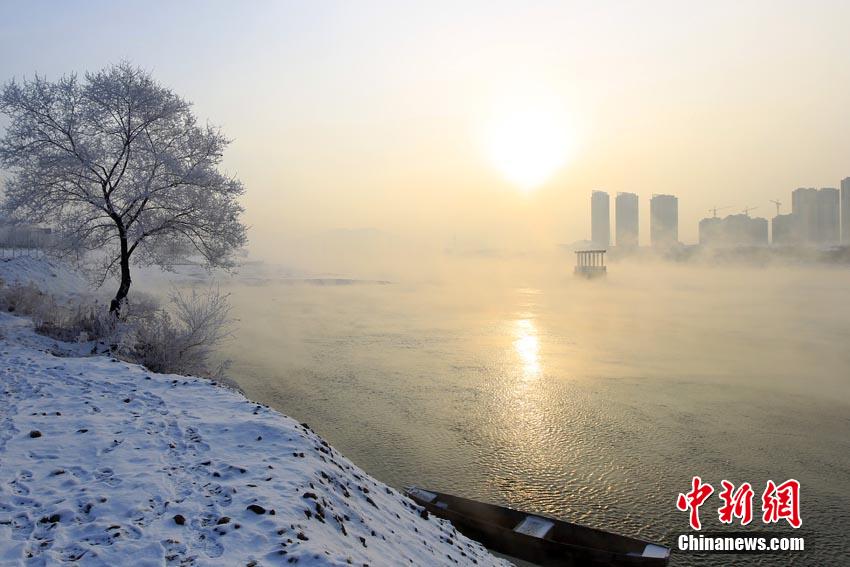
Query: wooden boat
{"type": "Point", "coordinates": [538, 539]}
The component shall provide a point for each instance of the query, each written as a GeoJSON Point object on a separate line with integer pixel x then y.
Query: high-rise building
{"type": "Point", "coordinates": [709, 231]}
{"type": "Point", "coordinates": [744, 230]}
{"type": "Point", "coordinates": [804, 207]}
{"type": "Point", "coordinates": [816, 215]}
{"type": "Point", "coordinates": [845, 211]}
{"type": "Point", "coordinates": [759, 232]}
{"type": "Point", "coordinates": [664, 221]}
{"type": "Point", "coordinates": [784, 230]}
{"type": "Point", "coordinates": [734, 230]}
{"type": "Point", "coordinates": [828, 223]}
{"type": "Point", "coordinates": [627, 224]}
{"type": "Point", "coordinates": [600, 219]}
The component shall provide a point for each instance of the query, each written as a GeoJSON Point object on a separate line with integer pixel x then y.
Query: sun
{"type": "Point", "coordinates": [528, 142]}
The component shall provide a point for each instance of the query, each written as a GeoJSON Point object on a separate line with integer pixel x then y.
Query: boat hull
{"type": "Point", "coordinates": [496, 528]}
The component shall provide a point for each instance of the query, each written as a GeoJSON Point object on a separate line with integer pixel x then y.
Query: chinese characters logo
{"type": "Point", "coordinates": [779, 502]}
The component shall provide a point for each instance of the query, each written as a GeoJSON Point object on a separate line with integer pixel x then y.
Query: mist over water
{"type": "Point", "coordinates": [594, 401]}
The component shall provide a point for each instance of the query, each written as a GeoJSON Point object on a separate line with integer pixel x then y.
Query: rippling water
{"type": "Point", "coordinates": [591, 401]}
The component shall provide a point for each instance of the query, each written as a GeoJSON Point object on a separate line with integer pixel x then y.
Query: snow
{"type": "Point", "coordinates": [50, 275]}
{"type": "Point", "coordinates": [99, 459]}
{"type": "Point", "coordinates": [104, 463]}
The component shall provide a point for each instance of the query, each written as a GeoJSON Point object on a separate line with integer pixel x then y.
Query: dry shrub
{"type": "Point", "coordinates": [178, 338]}
{"type": "Point", "coordinates": [182, 339]}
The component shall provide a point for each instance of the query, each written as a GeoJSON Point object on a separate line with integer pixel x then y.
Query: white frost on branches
{"type": "Point", "coordinates": [118, 162]}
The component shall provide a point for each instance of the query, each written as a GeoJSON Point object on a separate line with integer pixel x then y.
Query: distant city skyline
{"type": "Point", "coordinates": [819, 217]}
{"type": "Point", "coordinates": [369, 116]}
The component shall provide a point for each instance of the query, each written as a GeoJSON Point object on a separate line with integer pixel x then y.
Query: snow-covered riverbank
{"type": "Point", "coordinates": [105, 463]}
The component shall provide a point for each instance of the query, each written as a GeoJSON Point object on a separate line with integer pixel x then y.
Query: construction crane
{"type": "Point", "coordinates": [748, 209]}
{"type": "Point", "coordinates": [714, 210]}
{"type": "Point", "coordinates": [778, 204]}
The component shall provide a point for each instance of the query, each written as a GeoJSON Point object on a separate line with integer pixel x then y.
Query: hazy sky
{"type": "Point", "coordinates": [351, 115]}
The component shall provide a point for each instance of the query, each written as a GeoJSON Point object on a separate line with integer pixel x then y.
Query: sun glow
{"type": "Point", "coordinates": [528, 141]}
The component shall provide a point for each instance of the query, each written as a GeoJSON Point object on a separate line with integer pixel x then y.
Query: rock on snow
{"type": "Point", "coordinates": [104, 463]}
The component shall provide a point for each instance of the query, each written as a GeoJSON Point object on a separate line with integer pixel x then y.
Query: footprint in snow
{"type": "Point", "coordinates": [107, 476]}
{"type": "Point", "coordinates": [205, 539]}
{"type": "Point", "coordinates": [221, 495]}
{"type": "Point", "coordinates": [112, 446]}
{"type": "Point", "coordinates": [73, 553]}
{"type": "Point", "coordinates": [175, 552]}
{"type": "Point", "coordinates": [19, 483]}
{"type": "Point", "coordinates": [22, 527]}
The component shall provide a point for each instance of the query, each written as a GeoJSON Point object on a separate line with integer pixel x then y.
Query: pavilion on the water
{"type": "Point", "coordinates": [590, 263]}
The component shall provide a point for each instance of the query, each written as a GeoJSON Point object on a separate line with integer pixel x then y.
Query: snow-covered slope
{"type": "Point", "coordinates": [51, 276]}
{"type": "Point", "coordinates": [104, 463]}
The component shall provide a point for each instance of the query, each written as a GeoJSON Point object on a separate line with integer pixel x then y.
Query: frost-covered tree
{"type": "Point", "coordinates": [116, 162]}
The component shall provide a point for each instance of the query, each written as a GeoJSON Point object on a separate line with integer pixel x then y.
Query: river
{"type": "Point", "coordinates": [593, 401]}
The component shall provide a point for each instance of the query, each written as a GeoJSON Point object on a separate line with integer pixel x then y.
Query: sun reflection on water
{"type": "Point", "coordinates": [527, 346]}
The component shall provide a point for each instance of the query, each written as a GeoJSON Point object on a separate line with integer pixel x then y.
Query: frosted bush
{"type": "Point", "coordinates": [182, 339]}
{"type": "Point", "coordinates": [179, 338]}
{"type": "Point", "coordinates": [23, 299]}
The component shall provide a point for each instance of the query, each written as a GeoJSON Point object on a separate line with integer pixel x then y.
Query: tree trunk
{"type": "Point", "coordinates": [124, 287]}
